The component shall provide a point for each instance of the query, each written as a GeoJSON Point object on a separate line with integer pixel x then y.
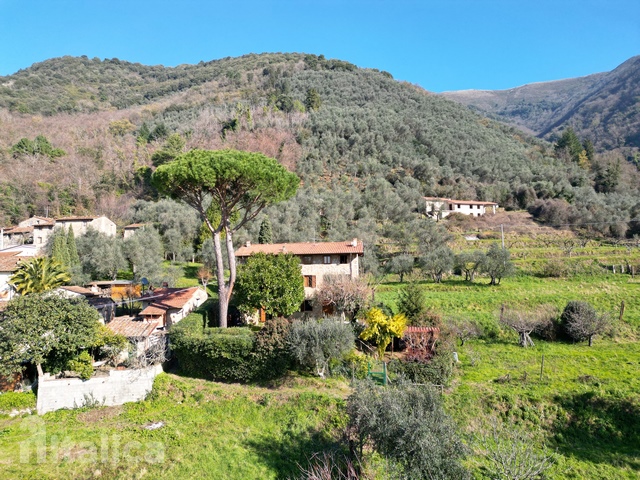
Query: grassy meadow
{"type": "Point", "coordinates": [582, 404]}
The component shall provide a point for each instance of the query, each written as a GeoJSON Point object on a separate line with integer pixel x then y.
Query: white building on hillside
{"type": "Point", "coordinates": [442, 207]}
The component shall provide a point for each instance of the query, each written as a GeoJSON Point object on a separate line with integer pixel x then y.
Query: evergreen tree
{"type": "Point", "coordinates": [72, 248]}
{"type": "Point", "coordinates": [266, 234]}
{"type": "Point", "coordinates": [60, 250]}
{"type": "Point", "coordinates": [312, 101]}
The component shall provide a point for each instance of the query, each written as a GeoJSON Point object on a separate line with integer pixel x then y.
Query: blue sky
{"type": "Point", "coordinates": [437, 44]}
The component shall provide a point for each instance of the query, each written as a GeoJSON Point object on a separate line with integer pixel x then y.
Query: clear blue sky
{"type": "Point", "coordinates": [438, 44]}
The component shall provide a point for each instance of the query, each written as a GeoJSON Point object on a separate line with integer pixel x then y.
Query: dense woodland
{"type": "Point", "coordinates": [82, 136]}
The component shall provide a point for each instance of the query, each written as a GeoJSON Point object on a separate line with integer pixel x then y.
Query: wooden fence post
{"type": "Point", "coordinates": [621, 310]}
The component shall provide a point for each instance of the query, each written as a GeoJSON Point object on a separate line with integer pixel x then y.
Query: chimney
{"type": "Point", "coordinates": [354, 242]}
{"type": "Point", "coordinates": [247, 244]}
{"type": "Point", "coordinates": [284, 249]}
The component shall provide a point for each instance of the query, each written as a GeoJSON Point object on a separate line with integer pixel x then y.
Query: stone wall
{"type": "Point", "coordinates": [116, 388]}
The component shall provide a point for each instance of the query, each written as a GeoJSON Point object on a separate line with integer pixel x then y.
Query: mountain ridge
{"type": "Point", "coordinates": [601, 106]}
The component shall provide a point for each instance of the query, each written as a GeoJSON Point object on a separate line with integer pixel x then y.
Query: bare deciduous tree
{"type": "Point", "coordinates": [204, 275]}
{"type": "Point", "coordinates": [524, 323]}
{"type": "Point", "coordinates": [512, 454]}
{"type": "Point", "coordinates": [347, 295]}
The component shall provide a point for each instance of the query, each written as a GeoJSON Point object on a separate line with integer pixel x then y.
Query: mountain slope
{"type": "Point", "coordinates": [366, 156]}
{"type": "Point", "coordinates": [604, 107]}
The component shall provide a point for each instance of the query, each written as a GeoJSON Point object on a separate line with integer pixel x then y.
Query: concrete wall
{"type": "Point", "coordinates": [119, 387]}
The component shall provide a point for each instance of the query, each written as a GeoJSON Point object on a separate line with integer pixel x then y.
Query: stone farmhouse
{"type": "Point", "coordinates": [437, 207]}
{"type": "Point", "coordinates": [317, 259]}
{"type": "Point", "coordinates": [37, 230]}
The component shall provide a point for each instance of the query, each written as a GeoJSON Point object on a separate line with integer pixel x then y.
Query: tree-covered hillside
{"type": "Point", "coordinates": [366, 147]}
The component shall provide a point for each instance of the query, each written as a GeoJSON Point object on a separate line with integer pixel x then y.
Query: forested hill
{"type": "Point", "coordinates": [604, 107]}
{"type": "Point", "coordinates": [81, 136]}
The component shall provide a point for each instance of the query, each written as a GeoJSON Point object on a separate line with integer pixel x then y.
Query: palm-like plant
{"type": "Point", "coordinates": [39, 275]}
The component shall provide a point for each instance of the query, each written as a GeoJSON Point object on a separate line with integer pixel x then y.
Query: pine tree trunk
{"type": "Point", "coordinates": [223, 305]}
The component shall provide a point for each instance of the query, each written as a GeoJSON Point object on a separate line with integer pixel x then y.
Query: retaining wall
{"type": "Point", "coordinates": [119, 387]}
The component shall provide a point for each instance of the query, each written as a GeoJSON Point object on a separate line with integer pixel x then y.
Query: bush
{"type": "Point", "coordinates": [354, 364]}
{"type": "Point", "coordinates": [16, 400]}
{"type": "Point", "coordinates": [407, 425]}
{"type": "Point", "coordinates": [314, 343]}
{"type": "Point", "coordinates": [436, 371]}
{"type": "Point", "coordinates": [272, 356]}
{"type": "Point", "coordinates": [217, 353]}
{"type": "Point", "coordinates": [82, 365]}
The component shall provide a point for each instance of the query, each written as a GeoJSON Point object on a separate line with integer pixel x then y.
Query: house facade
{"type": "Point", "coordinates": [317, 260]}
{"type": "Point", "coordinates": [437, 207]}
{"type": "Point", "coordinates": [37, 230]}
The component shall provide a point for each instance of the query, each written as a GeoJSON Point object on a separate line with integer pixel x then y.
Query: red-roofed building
{"type": "Point", "coordinates": [317, 259]}
{"type": "Point", "coordinates": [9, 262]}
{"type": "Point", "coordinates": [167, 306]}
{"type": "Point", "coordinates": [442, 207]}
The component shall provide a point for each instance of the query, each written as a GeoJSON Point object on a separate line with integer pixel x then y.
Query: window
{"type": "Point", "coordinates": [327, 259]}
{"type": "Point", "coordinates": [306, 259]}
{"type": "Point", "coordinates": [306, 306]}
{"type": "Point", "coordinates": [451, 206]}
{"type": "Point", "coordinates": [310, 281]}
{"type": "Point", "coordinates": [343, 259]}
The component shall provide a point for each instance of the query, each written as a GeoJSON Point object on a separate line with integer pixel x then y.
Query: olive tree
{"type": "Point", "coordinates": [407, 424]}
{"type": "Point", "coordinates": [228, 188]}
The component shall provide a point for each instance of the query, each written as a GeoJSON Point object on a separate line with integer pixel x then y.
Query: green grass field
{"type": "Point", "coordinates": [482, 302]}
{"type": "Point", "coordinates": [585, 407]}
{"type": "Point", "coordinates": [210, 430]}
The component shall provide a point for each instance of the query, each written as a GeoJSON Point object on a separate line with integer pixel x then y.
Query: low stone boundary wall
{"type": "Point", "coordinates": [119, 387]}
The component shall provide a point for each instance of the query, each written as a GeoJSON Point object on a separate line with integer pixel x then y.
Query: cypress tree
{"type": "Point", "coordinates": [60, 251]}
{"type": "Point", "coordinates": [266, 234]}
{"type": "Point", "coordinates": [72, 248]}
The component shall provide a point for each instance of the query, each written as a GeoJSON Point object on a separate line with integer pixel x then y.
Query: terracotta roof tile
{"type": "Point", "coordinates": [169, 298]}
{"type": "Point", "coordinates": [136, 225]}
{"type": "Point", "coordinates": [462, 202]}
{"type": "Point", "coordinates": [75, 219]}
{"type": "Point", "coordinates": [132, 328]}
{"type": "Point", "coordinates": [81, 290]}
{"type": "Point", "coordinates": [10, 263]}
{"type": "Point", "coordinates": [307, 248]}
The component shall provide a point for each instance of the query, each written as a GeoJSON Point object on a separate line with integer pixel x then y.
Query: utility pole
{"type": "Point", "coordinates": [502, 233]}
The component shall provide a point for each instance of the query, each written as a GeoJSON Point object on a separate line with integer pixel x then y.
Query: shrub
{"type": "Point", "coordinates": [381, 329]}
{"type": "Point", "coordinates": [436, 371]}
{"type": "Point", "coordinates": [408, 425]}
{"type": "Point", "coordinates": [271, 351]}
{"type": "Point", "coordinates": [580, 321]}
{"type": "Point", "coordinates": [314, 343]}
{"type": "Point", "coordinates": [16, 400]}
{"type": "Point", "coordinates": [82, 365]}
{"type": "Point", "coordinates": [217, 353]}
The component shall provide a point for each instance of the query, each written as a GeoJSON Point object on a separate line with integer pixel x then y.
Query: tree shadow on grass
{"type": "Point", "coordinates": [600, 429]}
{"type": "Point", "coordinates": [293, 450]}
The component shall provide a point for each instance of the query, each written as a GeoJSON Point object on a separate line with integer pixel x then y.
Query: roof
{"type": "Point", "coordinates": [98, 283]}
{"type": "Point", "coordinates": [307, 248]}
{"type": "Point", "coordinates": [463, 202]}
{"type": "Point", "coordinates": [135, 225]}
{"type": "Point", "coordinates": [75, 219]}
{"type": "Point", "coordinates": [412, 329]}
{"type": "Point", "coordinates": [13, 230]}
{"type": "Point", "coordinates": [132, 328]}
{"type": "Point", "coordinates": [80, 290]}
{"type": "Point", "coordinates": [168, 298]}
{"type": "Point", "coordinates": [9, 263]}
